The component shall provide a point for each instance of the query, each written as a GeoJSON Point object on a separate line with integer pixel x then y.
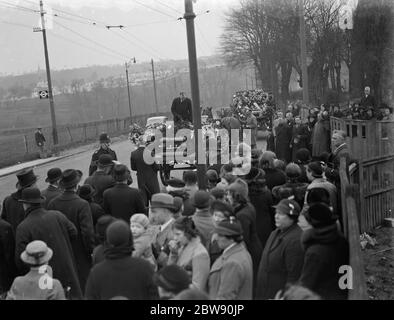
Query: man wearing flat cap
{"type": "Point", "coordinates": [13, 211]}
{"type": "Point", "coordinates": [161, 214]}
{"type": "Point", "coordinates": [40, 142]}
{"type": "Point", "coordinates": [101, 180]}
{"type": "Point", "coordinates": [104, 149]}
{"type": "Point", "coordinates": [56, 231]}
{"type": "Point", "coordinates": [78, 212]}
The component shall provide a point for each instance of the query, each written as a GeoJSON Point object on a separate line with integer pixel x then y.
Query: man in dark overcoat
{"type": "Point", "coordinates": [299, 137]}
{"type": "Point", "coordinates": [104, 149]}
{"type": "Point", "coordinates": [148, 182]}
{"type": "Point", "coordinates": [283, 140]}
{"type": "Point", "coordinates": [181, 109]}
{"type": "Point", "coordinates": [78, 212]}
{"type": "Point", "coordinates": [7, 262]}
{"type": "Point", "coordinates": [101, 180]}
{"type": "Point", "coordinates": [53, 190]}
{"type": "Point", "coordinates": [122, 201]}
{"type": "Point", "coordinates": [56, 231]}
{"type": "Point", "coordinates": [40, 141]}
{"type": "Point", "coordinates": [13, 211]}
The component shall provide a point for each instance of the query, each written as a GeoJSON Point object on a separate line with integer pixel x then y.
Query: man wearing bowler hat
{"type": "Point", "coordinates": [56, 231]}
{"type": "Point", "coordinates": [101, 180]}
{"type": "Point", "coordinates": [78, 212]}
{"type": "Point", "coordinates": [104, 149]}
{"type": "Point", "coordinates": [161, 215]}
{"type": "Point", "coordinates": [121, 201]}
{"type": "Point", "coordinates": [53, 190]}
{"type": "Point", "coordinates": [13, 211]}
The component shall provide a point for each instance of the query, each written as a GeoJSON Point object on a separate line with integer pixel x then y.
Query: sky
{"type": "Point", "coordinates": [77, 36]}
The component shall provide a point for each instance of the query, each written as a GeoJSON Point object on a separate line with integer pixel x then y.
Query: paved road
{"type": "Point", "coordinates": [81, 162]}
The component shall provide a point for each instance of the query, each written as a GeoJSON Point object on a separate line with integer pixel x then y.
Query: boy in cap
{"type": "Point", "coordinates": [104, 149]}
{"type": "Point", "coordinates": [38, 284]}
{"type": "Point", "coordinates": [202, 218]}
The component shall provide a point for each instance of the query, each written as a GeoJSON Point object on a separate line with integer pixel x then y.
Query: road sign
{"type": "Point", "coordinates": [43, 94]}
{"type": "Point", "coordinates": [37, 29]}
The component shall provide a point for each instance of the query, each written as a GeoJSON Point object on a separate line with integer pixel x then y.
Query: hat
{"type": "Point", "coordinates": [201, 199]}
{"type": "Point", "coordinates": [289, 207]}
{"type": "Point", "coordinates": [218, 192]}
{"type": "Point", "coordinates": [104, 138]}
{"type": "Point", "coordinates": [36, 253]}
{"type": "Point", "coordinates": [31, 195]}
{"type": "Point", "coordinates": [175, 183]}
{"type": "Point", "coordinates": [26, 178]}
{"type": "Point", "coordinates": [320, 215]}
{"type": "Point", "coordinates": [86, 191]}
{"type": "Point", "coordinates": [316, 169]}
{"type": "Point", "coordinates": [230, 227]}
{"type": "Point", "coordinates": [162, 200]}
{"type": "Point", "coordinates": [303, 155]}
{"type": "Point", "coordinates": [70, 178]}
{"type": "Point", "coordinates": [240, 187]}
{"type": "Point", "coordinates": [119, 234]}
{"type": "Point", "coordinates": [53, 175]}
{"type": "Point", "coordinates": [178, 202]}
{"type": "Point", "coordinates": [105, 160]}
{"type": "Point", "coordinates": [141, 219]}
{"type": "Point", "coordinates": [101, 226]}
{"type": "Point", "coordinates": [121, 172]}
{"type": "Point", "coordinates": [212, 175]}
{"type": "Point", "coordinates": [172, 278]}
{"type": "Point", "coordinates": [293, 170]}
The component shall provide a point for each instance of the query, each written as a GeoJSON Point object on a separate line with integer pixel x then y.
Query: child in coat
{"type": "Point", "coordinates": [142, 238]}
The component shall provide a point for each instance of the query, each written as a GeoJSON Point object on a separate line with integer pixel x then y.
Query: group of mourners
{"type": "Point", "coordinates": [274, 232]}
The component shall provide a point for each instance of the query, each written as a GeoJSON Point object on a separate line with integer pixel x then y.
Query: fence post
{"type": "Point", "coordinates": [71, 137]}
{"type": "Point", "coordinates": [26, 144]}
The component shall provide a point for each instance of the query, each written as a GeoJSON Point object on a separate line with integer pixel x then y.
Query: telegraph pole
{"type": "Point", "coordinates": [154, 86]}
{"type": "Point", "coordinates": [304, 69]}
{"type": "Point", "coordinates": [50, 93]}
{"type": "Point", "coordinates": [191, 43]}
{"type": "Point", "coordinates": [128, 86]}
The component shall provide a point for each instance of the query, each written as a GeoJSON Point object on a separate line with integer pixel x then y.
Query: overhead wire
{"type": "Point", "coordinates": [151, 8]}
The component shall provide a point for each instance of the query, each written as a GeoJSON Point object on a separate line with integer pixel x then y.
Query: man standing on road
{"type": "Point", "coordinates": [40, 141]}
{"type": "Point", "coordinates": [13, 211]}
{"type": "Point", "coordinates": [182, 109]}
{"type": "Point", "coordinates": [53, 190]}
{"type": "Point", "coordinates": [104, 149]}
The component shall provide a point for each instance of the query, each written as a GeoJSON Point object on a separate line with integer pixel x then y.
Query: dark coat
{"type": "Point", "coordinates": [97, 212]}
{"type": "Point", "coordinates": [78, 212]}
{"type": "Point", "coordinates": [124, 276]}
{"type": "Point", "coordinates": [281, 262]}
{"type": "Point", "coordinates": [7, 251]}
{"type": "Point", "coordinates": [56, 231]}
{"type": "Point", "coordinates": [299, 139]}
{"type": "Point", "coordinates": [50, 193]}
{"type": "Point", "coordinates": [271, 142]}
{"type": "Point", "coordinates": [283, 140]}
{"type": "Point", "coordinates": [148, 182]}
{"type": "Point", "coordinates": [321, 138]}
{"type": "Point", "coordinates": [122, 202]}
{"type": "Point", "coordinates": [182, 110]}
{"type": "Point", "coordinates": [40, 139]}
{"type": "Point", "coordinates": [291, 188]}
{"type": "Point", "coordinates": [325, 251]}
{"type": "Point", "coordinates": [274, 177]}
{"type": "Point", "coordinates": [261, 199]}
{"type": "Point", "coordinates": [13, 211]}
{"type": "Point", "coordinates": [100, 181]}
{"type": "Point", "coordinates": [246, 214]}
{"type": "Point", "coordinates": [96, 155]}
{"type": "Point", "coordinates": [368, 102]}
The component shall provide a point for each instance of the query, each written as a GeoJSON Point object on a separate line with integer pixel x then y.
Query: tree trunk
{"type": "Point", "coordinates": [286, 70]}
{"type": "Point", "coordinates": [338, 72]}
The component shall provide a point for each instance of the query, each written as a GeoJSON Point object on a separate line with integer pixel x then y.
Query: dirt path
{"type": "Point", "coordinates": [379, 265]}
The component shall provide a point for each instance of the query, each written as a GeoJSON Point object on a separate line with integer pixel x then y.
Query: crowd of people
{"type": "Point", "coordinates": [273, 232]}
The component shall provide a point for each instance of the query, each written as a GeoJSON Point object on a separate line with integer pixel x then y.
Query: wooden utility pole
{"type": "Point", "coordinates": [128, 86]}
{"type": "Point", "coordinates": [193, 69]}
{"type": "Point", "coordinates": [154, 86]}
{"type": "Point", "coordinates": [304, 68]}
{"type": "Point", "coordinates": [48, 70]}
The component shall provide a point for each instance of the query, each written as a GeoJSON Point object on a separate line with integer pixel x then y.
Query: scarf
{"type": "Point", "coordinates": [114, 253]}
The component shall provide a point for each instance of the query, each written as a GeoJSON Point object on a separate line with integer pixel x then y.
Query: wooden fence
{"type": "Point", "coordinates": [371, 144]}
{"type": "Point", "coordinates": [350, 219]}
